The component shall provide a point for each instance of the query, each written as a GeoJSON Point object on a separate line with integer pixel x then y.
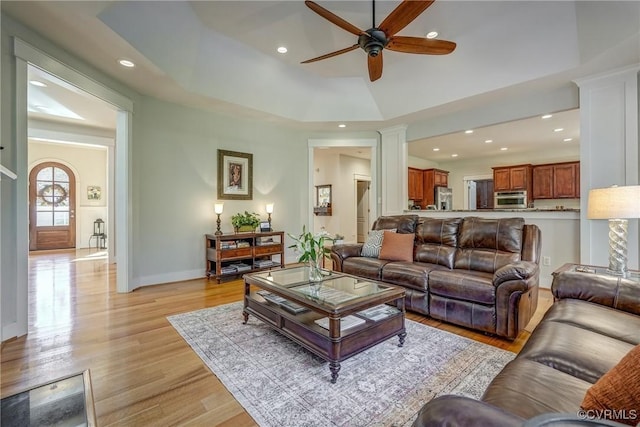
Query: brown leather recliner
{"type": "Point", "coordinates": [475, 272]}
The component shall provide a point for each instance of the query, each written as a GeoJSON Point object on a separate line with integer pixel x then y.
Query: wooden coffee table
{"type": "Point", "coordinates": [311, 314]}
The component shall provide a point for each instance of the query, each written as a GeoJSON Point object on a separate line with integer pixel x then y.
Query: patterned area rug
{"type": "Point", "coordinates": [279, 383]}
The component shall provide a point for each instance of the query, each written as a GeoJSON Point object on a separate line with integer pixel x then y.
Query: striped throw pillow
{"type": "Point", "coordinates": [371, 248]}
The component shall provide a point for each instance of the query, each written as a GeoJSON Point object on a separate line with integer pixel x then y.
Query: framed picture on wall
{"type": "Point", "coordinates": [94, 192]}
{"type": "Point", "coordinates": [235, 175]}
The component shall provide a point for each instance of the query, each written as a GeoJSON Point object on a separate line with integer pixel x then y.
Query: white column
{"type": "Point", "coordinates": [394, 171]}
{"type": "Point", "coordinates": [608, 153]}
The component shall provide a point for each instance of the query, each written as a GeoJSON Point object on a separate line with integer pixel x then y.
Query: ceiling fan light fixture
{"type": "Point", "coordinates": [432, 34]}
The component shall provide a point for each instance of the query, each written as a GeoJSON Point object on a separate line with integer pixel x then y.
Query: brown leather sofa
{"type": "Point", "coordinates": [475, 272]}
{"type": "Point", "coordinates": [594, 322]}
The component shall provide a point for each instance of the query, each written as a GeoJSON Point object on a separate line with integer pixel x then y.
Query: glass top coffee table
{"type": "Point", "coordinates": [335, 318]}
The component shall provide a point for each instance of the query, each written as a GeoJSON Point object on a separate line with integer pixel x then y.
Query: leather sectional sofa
{"type": "Point", "coordinates": [593, 324]}
{"type": "Point", "coordinates": [475, 272]}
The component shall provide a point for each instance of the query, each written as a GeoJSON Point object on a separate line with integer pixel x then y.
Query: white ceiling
{"type": "Point", "coordinates": [221, 55]}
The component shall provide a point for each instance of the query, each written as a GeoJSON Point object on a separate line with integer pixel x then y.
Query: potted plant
{"type": "Point", "coordinates": [247, 221]}
{"type": "Point", "coordinates": [338, 239]}
{"type": "Point", "coordinates": [311, 249]}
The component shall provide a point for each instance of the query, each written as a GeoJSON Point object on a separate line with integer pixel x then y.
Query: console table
{"type": "Point", "coordinates": [234, 254]}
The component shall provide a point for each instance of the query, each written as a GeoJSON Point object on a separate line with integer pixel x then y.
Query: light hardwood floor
{"type": "Point", "coordinates": [143, 373]}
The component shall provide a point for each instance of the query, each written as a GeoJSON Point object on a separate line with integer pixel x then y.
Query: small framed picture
{"type": "Point", "coordinates": [94, 192]}
{"type": "Point", "coordinates": [265, 226]}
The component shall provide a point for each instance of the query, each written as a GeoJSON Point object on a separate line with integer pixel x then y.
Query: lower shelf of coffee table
{"type": "Point", "coordinates": [302, 329]}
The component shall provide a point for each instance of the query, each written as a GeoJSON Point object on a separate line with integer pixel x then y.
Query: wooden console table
{"type": "Point", "coordinates": [235, 254]}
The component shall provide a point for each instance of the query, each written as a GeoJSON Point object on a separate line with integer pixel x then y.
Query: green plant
{"type": "Point", "coordinates": [247, 218]}
{"type": "Point", "coordinates": [338, 237]}
{"type": "Point", "coordinates": [310, 246]}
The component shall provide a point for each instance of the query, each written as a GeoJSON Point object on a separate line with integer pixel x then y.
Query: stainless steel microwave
{"type": "Point", "coordinates": [510, 199]}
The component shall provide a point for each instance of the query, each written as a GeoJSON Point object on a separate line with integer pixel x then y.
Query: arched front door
{"type": "Point", "coordinates": [52, 206]}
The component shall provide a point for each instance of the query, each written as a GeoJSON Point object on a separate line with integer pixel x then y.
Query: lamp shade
{"type": "Point", "coordinates": [614, 202]}
{"type": "Point", "coordinates": [218, 208]}
{"type": "Point", "coordinates": [269, 207]}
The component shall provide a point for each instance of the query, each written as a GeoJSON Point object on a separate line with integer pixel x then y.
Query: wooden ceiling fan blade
{"type": "Point", "coordinates": [402, 15]}
{"type": "Point", "coordinates": [375, 67]}
{"type": "Point", "coordinates": [420, 45]}
{"type": "Point", "coordinates": [329, 55]}
{"type": "Point", "coordinates": [335, 19]}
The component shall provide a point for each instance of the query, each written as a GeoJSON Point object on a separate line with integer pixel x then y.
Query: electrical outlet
{"type": "Point", "coordinates": [546, 260]}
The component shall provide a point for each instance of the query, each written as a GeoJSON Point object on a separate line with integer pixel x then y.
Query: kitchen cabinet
{"type": "Point", "coordinates": [433, 178]}
{"type": "Point", "coordinates": [484, 194]}
{"type": "Point", "coordinates": [556, 181]}
{"type": "Point", "coordinates": [416, 184]}
{"type": "Point", "coordinates": [509, 178]}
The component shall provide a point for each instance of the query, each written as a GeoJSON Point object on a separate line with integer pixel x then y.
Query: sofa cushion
{"type": "Point", "coordinates": [597, 318]}
{"type": "Point", "coordinates": [527, 388]}
{"type": "Point", "coordinates": [370, 268]}
{"type": "Point", "coordinates": [414, 275]}
{"type": "Point", "coordinates": [437, 240]}
{"type": "Point", "coordinates": [397, 247]}
{"type": "Point", "coordinates": [405, 224]}
{"type": "Point", "coordinates": [618, 390]}
{"type": "Point", "coordinates": [488, 244]}
{"type": "Point", "coordinates": [578, 352]}
{"type": "Point", "coordinates": [371, 247]}
{"type": "Point", "coordinates": [466, 285]}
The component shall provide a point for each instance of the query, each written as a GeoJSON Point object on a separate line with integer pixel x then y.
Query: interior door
{"type": "Point", "coordinates": [52, 223]}
{"type": "Point", "coordinates": [362, 214]}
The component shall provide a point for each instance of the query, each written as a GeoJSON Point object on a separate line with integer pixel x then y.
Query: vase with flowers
{"type": "Point", "coordinates": [311, 249]}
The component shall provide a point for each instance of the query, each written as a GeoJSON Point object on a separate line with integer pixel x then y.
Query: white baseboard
{"type": "Point", "coordinates": [10, 331]}
{"type": "Point", "coordinates": [177, 276]}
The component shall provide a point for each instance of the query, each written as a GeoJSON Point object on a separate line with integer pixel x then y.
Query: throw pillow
{"type": "Point", "coordinates": [617, 392]}
{"type": "Point", "coordinates": [397, 247]}
{"type": "Point", "coordinates": [371, 247]}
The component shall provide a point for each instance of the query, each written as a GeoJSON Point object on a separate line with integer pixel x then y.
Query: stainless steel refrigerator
{"type": "Point", "coordinates": [443, 198]}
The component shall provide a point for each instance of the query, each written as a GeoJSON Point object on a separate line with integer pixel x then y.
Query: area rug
{"type": "Point", "coordinates": [280, 383]}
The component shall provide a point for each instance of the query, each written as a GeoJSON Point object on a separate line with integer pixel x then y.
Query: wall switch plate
{"type": "Point", "coordinates": [546, 260]}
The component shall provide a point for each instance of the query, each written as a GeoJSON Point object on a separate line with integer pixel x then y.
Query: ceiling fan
{"type": "Point", "coordinates": [375, 39]}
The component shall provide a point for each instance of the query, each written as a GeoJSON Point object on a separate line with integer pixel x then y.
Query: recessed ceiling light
{"type": "Point", "coordinates": [37, 83]}
{"type": "Point", "coordinates": [503, 149]}
{"type": "Point", "coordinates": [126, 63]}
{"type": "Point", "coordinates": [547, 116]}
{"type": "Point", "coordinates": [488, 141]}
{"type": "Point", "coordinates": [282, 49]}
{"type": "Point", "coordinates": [432, 34]}
{"type": "Point", "coordinates": [558, 129]}
{"type": "Point", "coordinates": [454, 155]}
{"type": "Point", "coordinates": [342, 125]}
{"type": "Point", "coordinates": [567, 139]}
{"type": "Point", "coordinates": [468, 131]}
{"type": "Point", "coordinates": [436, 149]}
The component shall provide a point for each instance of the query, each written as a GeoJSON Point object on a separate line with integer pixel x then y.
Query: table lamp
{"type": "Point", "coordinates": [218, 210]}
{"type": "Point", "coordinates": [616, 204]}
{"type": "Point", "coordinates": [269, 209]}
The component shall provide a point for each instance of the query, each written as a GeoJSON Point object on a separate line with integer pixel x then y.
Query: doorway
{"type": "Point", "coordinates": [52, 206]}
{"type": "Point", "coordinates": [362, 210]}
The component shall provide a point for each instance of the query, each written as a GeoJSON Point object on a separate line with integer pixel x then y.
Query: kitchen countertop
{"type": "Point", "coordinates": [529, 214]}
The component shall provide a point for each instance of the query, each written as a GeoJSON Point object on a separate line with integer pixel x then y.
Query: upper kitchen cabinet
{"type": "Point", "coordinates": [508, 178]}
{"type": "Point", "coordinates": [416, 187]}
{"type": "Point", "coordinates": [556, 181]}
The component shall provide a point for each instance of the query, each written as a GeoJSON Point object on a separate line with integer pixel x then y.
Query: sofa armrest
{"type": "Point", "coordinates": [341, 252]}
{"type": "Point", "coordinates": [522, 270]}
{"type": "Point", "coordinates": [464, 412]}
{"type": "Point", "coordinates": [611, 291]}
